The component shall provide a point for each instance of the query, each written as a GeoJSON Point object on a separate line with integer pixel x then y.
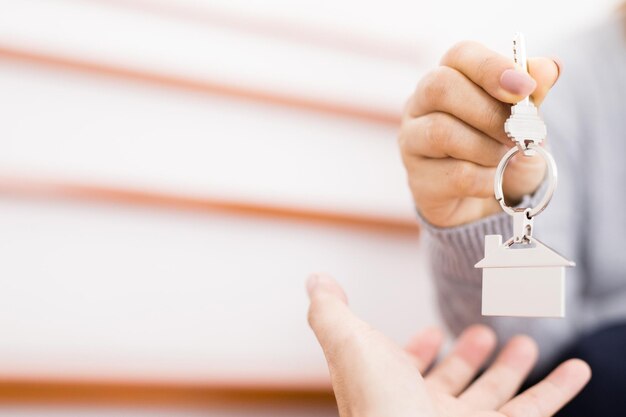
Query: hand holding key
{"type": "Point", "coordinates": [452, 135]}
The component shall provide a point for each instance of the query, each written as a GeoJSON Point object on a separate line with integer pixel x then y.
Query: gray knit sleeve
{"type": "Point", "coordinates": [453, 252]}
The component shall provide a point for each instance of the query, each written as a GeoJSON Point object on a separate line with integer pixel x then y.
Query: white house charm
{"type": "Point", "coordinates": [522, 276]}
{"type": "Point", "coordinates": [525, 279]}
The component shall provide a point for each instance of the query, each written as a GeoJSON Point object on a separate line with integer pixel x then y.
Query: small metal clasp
{"type": "Point", "coordinates": [522, 226]}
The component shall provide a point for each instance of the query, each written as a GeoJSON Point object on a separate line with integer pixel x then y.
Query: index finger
{"type": "Point", "coordinates": [496, 74]}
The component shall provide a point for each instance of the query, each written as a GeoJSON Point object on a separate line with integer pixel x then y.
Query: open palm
{"type": "Point", "coordinates": [372, 376]}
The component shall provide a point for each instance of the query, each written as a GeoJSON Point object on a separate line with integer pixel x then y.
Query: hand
{"type": "Point", "coordinates": [372, 376]}
{"type": "Point", "coordinates": [452, 135]}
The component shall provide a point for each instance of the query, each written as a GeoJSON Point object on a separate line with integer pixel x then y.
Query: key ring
{"type": "Point", "coordinates": [552, 175]}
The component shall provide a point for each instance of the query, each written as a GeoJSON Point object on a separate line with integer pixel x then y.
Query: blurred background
{"type": "Point", "coordinates": [171, 171]}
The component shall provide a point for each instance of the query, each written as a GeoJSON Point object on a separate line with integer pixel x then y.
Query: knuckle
{"type": "Point", "coordinates": [404, 138]}
{"type": "Point", "coordinates": [532, 407]}
{"type": "Point", "coordinates": [436, 131]}
{"type": "Point", "coordinates": [314, 312]}
{"type": "Point", "coordinates": [486, 68]}
{"type": "Point", "coordinates": [401, 139]}
{"type": "Point", "coordinates": [495, 388]}
{"type": "Point", "coordinates": [528, 408]}
{"type": "Point", "coordinates": [456, 51]}
{"type": "Point", "coordinates": [496, 119]}
{"type": "Point", "coordinates": [464, 177]}
{"type": "Point", "coordinates": [432, 131]}
{"type": "Point", "coordinates": [416, 189]}
{"type": "Point", "coordinates": [410, 149]}
{"type": "Point", "coordinates": [446, 380]}
{"type": "Point", "coordinates": [493, 122]}
{"type": "Point", "coordinates": [435, 85]}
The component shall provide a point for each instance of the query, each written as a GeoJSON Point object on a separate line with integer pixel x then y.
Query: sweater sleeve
{"type": "Point", "coordinates": [453, 252]}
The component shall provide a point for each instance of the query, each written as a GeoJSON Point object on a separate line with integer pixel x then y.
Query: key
{"type": "Point", "coordinates": [524, 126]}
{"type": "Point", "coordinates": [523, 277]}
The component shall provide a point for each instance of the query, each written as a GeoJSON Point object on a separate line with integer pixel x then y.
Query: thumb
{"type": "Point", "coordinates": [329, 315]}
{"type": "Point", "coordinates": [370, 374]}
{"type": "Point", "coordinates": [545, 72]}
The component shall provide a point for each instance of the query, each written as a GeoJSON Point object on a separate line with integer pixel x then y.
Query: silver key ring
{"type": "Point", "coordinates": [552, 177]}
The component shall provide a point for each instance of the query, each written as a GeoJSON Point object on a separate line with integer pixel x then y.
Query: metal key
{"type": "Point", "coordinates": [524, 126]}
{"type": "Point", "coordinates": [522, 276]}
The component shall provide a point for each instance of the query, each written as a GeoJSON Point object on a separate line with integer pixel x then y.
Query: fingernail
{"type": "Point", "coordinates": [559, 64]}
{"type": "Point", "coordinates": [517, 82]}
{"type": "Point", "coordinates": [311, 283]}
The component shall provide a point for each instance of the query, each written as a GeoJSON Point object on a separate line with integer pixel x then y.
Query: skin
{"type": "Point", "coordinates": [372, 376]}
{"type": "Point", "coordinates": [452, 135]}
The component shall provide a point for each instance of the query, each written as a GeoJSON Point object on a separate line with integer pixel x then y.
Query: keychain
{"type": "Point", "coordinates": [522, 276]}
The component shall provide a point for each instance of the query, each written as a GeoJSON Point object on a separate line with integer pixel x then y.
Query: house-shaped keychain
{"type": "Point", "coordinates": [522, 279]}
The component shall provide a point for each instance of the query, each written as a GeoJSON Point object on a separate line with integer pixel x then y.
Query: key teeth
{"type": "Point", "coordinates": [525, 128]}
{"type": "Point", "coordinates": [519, 51]}
{"type": "Point", "coordinates": [524, 124]}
